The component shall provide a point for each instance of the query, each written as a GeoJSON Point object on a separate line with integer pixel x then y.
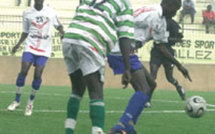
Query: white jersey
{"type": "Point", "coordinates": [38, 25]}
{"type": "Point", "coordinates": [149, 25]}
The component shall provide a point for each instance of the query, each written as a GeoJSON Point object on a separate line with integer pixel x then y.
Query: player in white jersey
{"type": "Point", "coordinates": [150, 24]}
{"type": "Point", "coordinates": [37, 28]}
{"type": "Point", "coordinates": [94, 30]}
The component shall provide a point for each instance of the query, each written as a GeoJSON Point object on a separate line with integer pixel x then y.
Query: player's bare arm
{"type": "Point", "coordinates": [22, 38]}
{"type": "Point", "coordinates": [61, 31]}
{"type": "Point", "coordinates": [125, 47]}
{"type": "Point", "coordinates": [162, 48]}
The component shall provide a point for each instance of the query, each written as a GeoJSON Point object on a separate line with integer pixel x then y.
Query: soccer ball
{"type": "Point", "coordinates": [195, 106]}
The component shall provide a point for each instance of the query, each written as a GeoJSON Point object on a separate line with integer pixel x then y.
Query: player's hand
{"type": "Point", "coordinates": [134, 50]}
{"type": "Point", "coordinates": [126, 78]}
{"type": "Point", "coordinates": [185, 72]}
{"type": "Point", "coordinates": [14, 49]}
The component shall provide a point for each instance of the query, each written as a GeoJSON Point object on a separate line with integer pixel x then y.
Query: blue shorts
{"type": "Point", "coordinates": [117, 64]}
{"type": "Point", "coordinates": [35, 59]}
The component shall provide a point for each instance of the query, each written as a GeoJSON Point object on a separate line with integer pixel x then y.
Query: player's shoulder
{"type": "Point", "coordinates": [49, 8]}
{"type": "Point", "coordinates": [28, 11]}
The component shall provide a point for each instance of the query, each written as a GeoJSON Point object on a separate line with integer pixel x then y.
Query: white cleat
{"type": "Point", "coordinates": [13, 106]}
{"type": "Point", "coordinates": [97, 130]}
{"type": "Point", "coordinates": [29, 109]}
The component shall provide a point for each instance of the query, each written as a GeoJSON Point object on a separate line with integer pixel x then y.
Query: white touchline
{"type": "Point", "coordinates": [108, 111]}
{"type": "Point", "coordinates": [117, 98]}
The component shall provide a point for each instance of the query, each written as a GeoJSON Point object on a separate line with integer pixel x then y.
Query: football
{"type": "Point", "coordinates": [195, 106]}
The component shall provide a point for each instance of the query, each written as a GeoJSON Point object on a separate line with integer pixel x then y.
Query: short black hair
{"type": "Point", "coordinates": [209, 6]}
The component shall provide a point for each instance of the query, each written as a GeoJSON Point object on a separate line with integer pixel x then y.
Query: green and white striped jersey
{"type": "Point", "coordinates": [99, 24]}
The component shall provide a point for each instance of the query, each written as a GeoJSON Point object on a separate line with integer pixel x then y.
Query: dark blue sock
{"type": "Point", "coordinates": [18, 96]}
{"type": "Point", "coordinates": [20, 81]}
{"type": "Point", "coordinates": [32, 97]}
{"type": "Point", "coordinates": [36, 83]}
{"type": "Point", "coordinates": [133, 109]}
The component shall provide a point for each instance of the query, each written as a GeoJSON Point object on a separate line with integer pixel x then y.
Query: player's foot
{"type": "Point", "coordinates": [97, 130]}
{"type": "Point", "coordinates": [148, 105]}
{"type": "Point", "coordinates": [181, 92]}
{"type": "Point", "coordinates": [29, 109]}
{"type": "Point", "coordinates": [13, 106]}
{"type": "Point", "coordinates": [114, 131]}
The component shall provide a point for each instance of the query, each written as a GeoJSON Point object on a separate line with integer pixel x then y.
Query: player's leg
{"type": "Point", "coordinates": [151, 82]}
{"type": "Point", "coordinates": [168, 67]}
{"type": "Point", "coordinates": [78, 89]}
{"type": "Point", "coordinates": [155, 62]}
{"type": "Point", "coordinates": [137, 101]}
{"type": "Point", "coordinates": [97, 105]}
{"type": "Point", "coordinates": [39, 63]}
{"type": "Point", "coordinates": [135, 105]}
{"type": "Point", "coordinates": [72, 60]}
{"type": "Point", "coordinates": [93, 68]}
{"type": "Point", "coordinates": [91, 65]}
{"type": "Point", "coordinates": [20, 81]}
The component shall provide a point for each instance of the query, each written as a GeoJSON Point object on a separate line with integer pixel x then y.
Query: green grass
{"type": "Point", "coordinates": [153, 120]}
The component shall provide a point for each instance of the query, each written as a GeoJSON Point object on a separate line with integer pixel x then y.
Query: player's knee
{"type": "Point", "coordinates": [96, 95]}
{"type": "Point", "coordinates": [24, 72]}
{"type": "Point", "coordinates": [38, 76]}
{"type": "Point", "coordinates": [153, 75]}
{"type": "Point", "coordinates": [153, 85]}
{"type": "Point", "coordinates": [170, 79]}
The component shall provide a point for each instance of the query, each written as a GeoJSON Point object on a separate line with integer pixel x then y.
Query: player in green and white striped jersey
{"type": "Point", "coordinates": [101, 24]}
{"type": "Point", "coordinates": [95, 29]}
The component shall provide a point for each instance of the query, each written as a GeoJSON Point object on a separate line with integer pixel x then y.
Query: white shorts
{"type": "Point", "coordinates": [83, 58]}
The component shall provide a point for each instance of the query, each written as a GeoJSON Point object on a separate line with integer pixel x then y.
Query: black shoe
{"type": "Point", "coordinates": [181, 92]}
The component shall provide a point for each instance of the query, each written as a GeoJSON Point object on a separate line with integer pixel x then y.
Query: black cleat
{"type": "Point", "coordinates": [181, 92]}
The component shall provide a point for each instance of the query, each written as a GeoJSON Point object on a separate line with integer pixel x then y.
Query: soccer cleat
{"type": "Point", "coordinates": [148, 105]}
{"type": "Point", "coordinates": [113, 131]}
{"type": "Point", "coordinates": [29, 109]}
{"type": "Point", "coordinates": [97, 130]}
{"type": "Point", "coordinates": [13, 106]}
{"type": "Point", "coordinates": [181, 92]}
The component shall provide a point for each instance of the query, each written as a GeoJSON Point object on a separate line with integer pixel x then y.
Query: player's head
{"type": "Point", "coordinates": [38, 2]}
{"type": "Point", "coordinates": [209, 7]}
{"type": "Point", "coordinates": [170, 7]}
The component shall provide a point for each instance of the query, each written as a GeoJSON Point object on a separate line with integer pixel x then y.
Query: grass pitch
{"type": "Point", "coordinates": [166, 116]}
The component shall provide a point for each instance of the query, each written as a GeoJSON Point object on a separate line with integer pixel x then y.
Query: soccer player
{"type": "Point", "coordinates": [157, 59]}
{"type": "Point", "coordinates": [37, 22]}
{"type": "Point", "coordinates": [93, 32]}
{"type": "Point", "coordinates": [150, 23]}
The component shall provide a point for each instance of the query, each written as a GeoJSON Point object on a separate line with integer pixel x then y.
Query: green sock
{"type": "Point", "coordinates": [73, 106]}
{"type": "Point", "coordinates": [97, 113]}
{"type": "Point", "coordinates": [69, 131]}
{"type": "Point", "coordinates": [72, 113]}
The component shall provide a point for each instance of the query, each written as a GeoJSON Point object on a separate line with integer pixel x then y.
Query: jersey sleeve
{"type": "Point", "coordinates": [125, 20]}
{"type": "Point", "coordinates": [25, 23]}
{"type": "Point", "coordinates": [159, 32]}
